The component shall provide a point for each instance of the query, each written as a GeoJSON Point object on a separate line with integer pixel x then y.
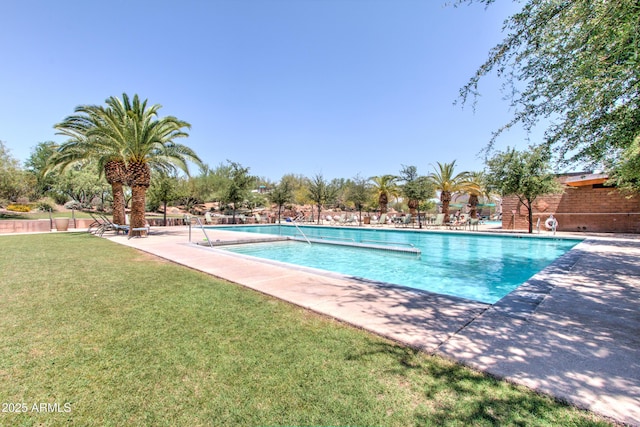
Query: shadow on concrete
{"type": "Point", "coordinates": [580, 342]}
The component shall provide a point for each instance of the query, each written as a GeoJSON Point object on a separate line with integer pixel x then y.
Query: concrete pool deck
{"type": "Point", "coordinates": [572, 331]}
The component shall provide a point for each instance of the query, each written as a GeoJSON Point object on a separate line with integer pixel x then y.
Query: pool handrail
{"type": "Point", "coordinates": [188, 219]}
{"type": "Point", "coordinates": [301, 232]}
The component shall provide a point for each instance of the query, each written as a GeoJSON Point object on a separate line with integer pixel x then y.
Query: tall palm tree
{"type": "Point", "coordinates": [148, 143]}
{"type": "Point", "coordinates": [385, 186]}
{"type": "Point", "coordinates": [447, 183]}
{"type": "Point", "coordinates": [129, 140]}
{"type": "Point", "coordinates": [475, 189]}
{"type": "Point", "coordinates": [83, 148]}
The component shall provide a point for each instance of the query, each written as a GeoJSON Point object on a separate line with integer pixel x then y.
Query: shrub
{"type": "Point", "coordinates": [153, 205]}
{"type": "Point", "coordinates": [18, 208]}
{"type": "Point", "coordinates": [59, 198]}
{"type": "Point", "coordinates": [46, 204]}
{"type": "Point", "coordinates": [73, 205]}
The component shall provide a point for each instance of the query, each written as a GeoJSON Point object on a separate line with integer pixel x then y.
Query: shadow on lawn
{"type": "Point", "coordinates": [449, 393]}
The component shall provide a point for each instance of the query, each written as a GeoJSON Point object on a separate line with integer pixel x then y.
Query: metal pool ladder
{"type": "Point", "coordinates": [301, 232]}
{"type": "Point", "coordinates": [188, 219]}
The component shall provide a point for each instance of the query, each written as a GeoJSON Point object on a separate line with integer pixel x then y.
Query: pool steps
{"type": "Point", "coordinates": [206, 242]}
{"type": "Point", "coordinates": [381, 246]}
{"type": "Point", "coordinates": [365, 244]}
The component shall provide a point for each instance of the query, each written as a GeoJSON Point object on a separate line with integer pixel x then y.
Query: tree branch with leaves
{"type": "Point", "coordinates": [526, 175]}
{"type": "Point", "coordinates": [576, 64]}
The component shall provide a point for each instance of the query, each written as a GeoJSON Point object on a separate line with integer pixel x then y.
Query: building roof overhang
{"type": "Point", "coordinates": [586, 179]}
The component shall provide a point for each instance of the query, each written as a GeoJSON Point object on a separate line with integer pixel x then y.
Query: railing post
{"type": "Point", "coordinates": [187, 219]}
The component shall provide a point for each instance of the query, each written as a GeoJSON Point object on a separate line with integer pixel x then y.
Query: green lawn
{"type": "Point", "coordinates": [122, 338]}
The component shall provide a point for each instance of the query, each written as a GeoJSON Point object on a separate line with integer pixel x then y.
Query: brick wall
{"type": "Point", "coordinates": [578, 209]}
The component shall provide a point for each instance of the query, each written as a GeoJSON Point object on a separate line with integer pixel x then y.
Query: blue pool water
{"type": "Point", "coordinates": [479, 267]}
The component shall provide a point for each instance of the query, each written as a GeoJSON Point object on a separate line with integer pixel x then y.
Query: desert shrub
{"type": "Point", "coordinates": [46, 204]}
{"type": "Point", "coordinates": [73, 205]}
{"type": "Point", "coordinates": [59, 198]}
{"type": "Point", "coordinates": [15, 207]}
{"type": "Point", "coordinates": [153, 205]}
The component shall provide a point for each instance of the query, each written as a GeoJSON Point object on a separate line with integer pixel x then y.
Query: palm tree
{"type": "Point", "coordinates": [83, 148]}
{"type": "Point", "coordinates": [148, 144]}
{"type": "Point", "coordinates": [447, 183]}
{"type": "Point", "coordinates": [476, 189]}
{"type": "Point", "coordinates": [385, 186]}
{"type": "Point", "coordinates": [128, 139]}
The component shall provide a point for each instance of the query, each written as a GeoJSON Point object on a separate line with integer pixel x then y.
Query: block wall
{"type": "Point", "coordinates": [24, 226]}
{"type": "Point", "coordinates": [38, 225]}
{"type": "Point", "coordinates": [578, 209]}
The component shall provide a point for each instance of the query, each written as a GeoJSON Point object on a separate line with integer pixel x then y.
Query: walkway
{"type": "Point", "coordinates": [571, 331]}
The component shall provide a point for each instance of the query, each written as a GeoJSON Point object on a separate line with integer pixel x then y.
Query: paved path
{"type": "Point", "coordinates": [572, 331]}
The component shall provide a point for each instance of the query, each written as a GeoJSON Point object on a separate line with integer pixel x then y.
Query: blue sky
{"type": "Point", "coordinates": [337, 87]}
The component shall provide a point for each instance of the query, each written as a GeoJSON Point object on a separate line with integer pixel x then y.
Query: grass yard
{"type": "Point", "coordinates": [94, 333]}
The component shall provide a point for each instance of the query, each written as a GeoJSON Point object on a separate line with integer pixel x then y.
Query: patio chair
{"type": "Point", "coordinates": [207, 218]}
{"type": "Point", "coordinates": [96, 226]}
{"type": "Point", "coordinates": [404, 222]}
{"type": "Point", "coordinates": [380, 221]}
{"type": "Point", "coordinates": [352, 219]}
{"type": "Point", "coordinates": [460, 222]}
{"type": "Point", "coordinates": [109, 225]}
{"type": "Point", "coordinates": [473, 224]}
{"type": "Point", "coordinates": [439, 221]}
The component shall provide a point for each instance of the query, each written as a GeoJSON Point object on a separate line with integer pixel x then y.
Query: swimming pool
{"type": "Point", "coordinates": [478, 267]}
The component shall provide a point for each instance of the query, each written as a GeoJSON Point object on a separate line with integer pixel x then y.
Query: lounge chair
{"type": "Point", "coordinates": [460, 222]}
{"type": "Point", "coordinates": [353, 219]}
{"type": "Point", "coordinates": [473, 224]}
{"type": "Point", "coordinates": [439, 222]}
{"type": "Point", "coordinates": [380, 221]}
{"type": "Point", "coordinates": [207, 218]}
{"type": "Point", "coordinates": [404, 222]}
{"type": "Point", "coordinates": [108, 225]}
{"type": "Point", "coordinates": [96, 226]}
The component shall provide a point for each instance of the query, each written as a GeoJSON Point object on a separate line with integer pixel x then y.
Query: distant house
{"type": "Point", "coordinates": [261, 189]}
{"type": "Point", "coordinates": [585, 204]}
